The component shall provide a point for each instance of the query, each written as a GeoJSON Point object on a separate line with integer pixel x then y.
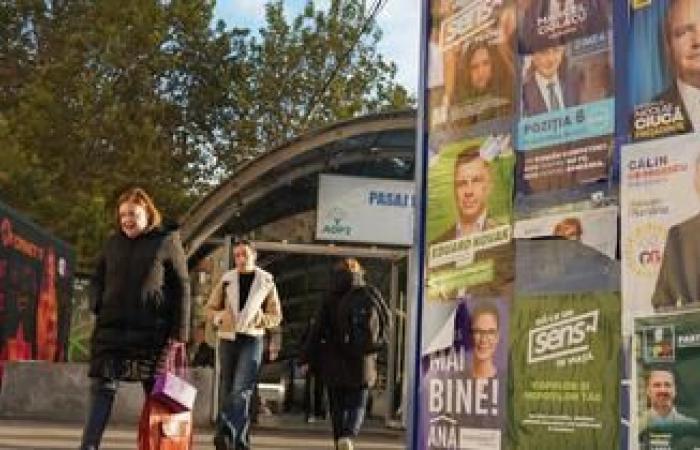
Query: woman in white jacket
{"type": "Point", "coordinates": [242, 306]}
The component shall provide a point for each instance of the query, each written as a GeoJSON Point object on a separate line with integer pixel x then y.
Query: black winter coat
{"type": "Point", "coordinates": [141, 298]}
{"type": "Point", "coordinates": [324, 353]}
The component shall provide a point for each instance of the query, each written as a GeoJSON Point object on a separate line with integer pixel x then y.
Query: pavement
{"type": "Point", "coordinates": [274, 433]}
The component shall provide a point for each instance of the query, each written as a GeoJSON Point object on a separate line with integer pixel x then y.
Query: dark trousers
{"type": "Point", "coordinates": [102, 392]}
{"type": "Point", "coordinates": [313, 396]}
{"type": "Point", "coordinates": [348, 406]}
{"type": "Point", "coordinates": [240, 362]}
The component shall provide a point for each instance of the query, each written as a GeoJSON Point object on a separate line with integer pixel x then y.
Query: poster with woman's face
{"type": "Point", "coordinates": [470, 62]}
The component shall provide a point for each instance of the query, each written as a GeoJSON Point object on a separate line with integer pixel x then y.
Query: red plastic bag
{"type": "Point", "coordinates": [161, 429]}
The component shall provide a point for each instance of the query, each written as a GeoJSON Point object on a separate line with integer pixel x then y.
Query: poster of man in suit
{"type": "Point", "coordinates": [665, 395]}
{"type": "Point", "coordinates": [663, 98]}
{"type": "Point", "coordinates": [469, 213]}
{"type": "Point", "coordinates": [567, 114]}
{"type": "Point", "coordinates": [660, 193]}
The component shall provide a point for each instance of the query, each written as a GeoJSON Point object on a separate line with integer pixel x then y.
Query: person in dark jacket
{"type": "Point", "coordinates": [314, 402]}
{"type": "Point", "coordinates": [348, 375]}
{"type": "Point", "coordinates": [140, 299]}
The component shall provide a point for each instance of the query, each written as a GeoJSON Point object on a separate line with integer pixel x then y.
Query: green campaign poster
{"type": "Point", "coordinates": [565, 372]}
{"type": "Point", "coordinates": [667, 353]}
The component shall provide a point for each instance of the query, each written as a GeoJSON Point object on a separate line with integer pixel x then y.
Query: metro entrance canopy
{"type": "Point", "coordinates": [282, 182]}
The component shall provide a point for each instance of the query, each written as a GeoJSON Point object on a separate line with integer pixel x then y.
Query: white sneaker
{"type": "Point", "coordinates": [345, 444]}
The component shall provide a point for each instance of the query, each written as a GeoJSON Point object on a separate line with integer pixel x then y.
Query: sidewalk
{"type": "Point", "coordinates": [282, 433]}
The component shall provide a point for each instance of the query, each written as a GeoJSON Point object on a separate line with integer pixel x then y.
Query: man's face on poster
{"type": "Point", "coordinates": [485, 335]}
{"type": "Point", "coordinates": [472, 188]}
{"type": "Point", "coordinates": [683, 38]}
{"type": "Point", "coordinates": [546, 62]}
{"type": "Point", "coordinates": [480, 69]}
{"type": "Point", "coordinates": [661, 390]}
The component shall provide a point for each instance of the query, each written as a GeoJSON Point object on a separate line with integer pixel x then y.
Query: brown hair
{"type": "Point", "coordinates": [568, 222]}
{"type": "Point", "coordinates": [140, 197]}
{"type": "Point", "coordinates": [467, 155]}
{"type": "Point", "coordinates": [351, 265]}
{"type": "Point", "coordinates": [483, 309]}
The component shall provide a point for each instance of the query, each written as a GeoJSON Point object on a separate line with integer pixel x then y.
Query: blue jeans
{"type": "Point", "coordinates": [102, 392]}
{"type": "Point", "coordinates": [240, 362]}
{"type": "Point", "coordinates": [348, 406]}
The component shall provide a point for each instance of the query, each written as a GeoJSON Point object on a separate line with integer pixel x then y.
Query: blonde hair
{"type": "Point", "coordinates": [139, 196]}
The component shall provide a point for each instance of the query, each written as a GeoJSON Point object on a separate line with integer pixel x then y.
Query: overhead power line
{"type": "Point", "coordinates": [369, 20]}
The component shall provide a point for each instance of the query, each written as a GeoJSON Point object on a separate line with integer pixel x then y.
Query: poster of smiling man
{"type": "Point", "coordinates": [663, 98]}
{"type": "Point", "coordinates": [469, 218]}
{"type": "Point", "coordinates": [667, 406]}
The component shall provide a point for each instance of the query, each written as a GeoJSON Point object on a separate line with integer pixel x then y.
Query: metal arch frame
{"type": "Point", "coordinates": [243, 198]}
{"type": "Point", "coordinates": [209, 214]}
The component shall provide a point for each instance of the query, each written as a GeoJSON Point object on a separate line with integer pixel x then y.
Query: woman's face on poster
{"type": "Point", "coordinates": [480, 69]}
{"type": "Point", "coordinates": [485, 334]}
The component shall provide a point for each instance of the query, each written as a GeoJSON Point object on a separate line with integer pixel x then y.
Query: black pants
{"type": "Point", "coordinates": [314, 405]}
{"type": "Point", "coordinates": [348, 405]}
{"type": "Point", "coordinates": [102, 392]}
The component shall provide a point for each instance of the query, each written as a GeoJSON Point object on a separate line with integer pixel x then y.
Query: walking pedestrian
{"type": "Point", "coordinates": [351, 326]}
{"type": "Point", "coordinates": [242, 306]}
{"type": "Point", "coordinates": [141, 301]}
{"type": "Point", "coordinates": [314, 396]}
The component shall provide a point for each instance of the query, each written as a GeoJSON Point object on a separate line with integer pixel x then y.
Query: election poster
{"type": "Point", "coordinates": [661, 98]}
{"type": "Point", "coordinates": [463, 387]}
{"type": "Point", "coordinates": [469, 218]}
{"type": "Point", "coordinates": [567, 95]}
{"type": "Point", "coordinates": [564, 371]}
{"type": "Point", "coordinates": [596, 228]}
{"type": "Point", "coordinates": [666, 403]}
{"type": "Point", "coordinates": [36, 276]}
{"type": "Point", "coordinates": [660, 188]}
{"type": "Point", "coordinates": [547, 23]}
{"type": "Point", "coordinates": [564, 166]}
{"type": "Point", "coordinates": [471, 62]}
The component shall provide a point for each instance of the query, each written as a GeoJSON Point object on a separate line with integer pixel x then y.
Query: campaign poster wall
{"type": "Point", "coordinates": [463, 387]}
{"type": "Point", "coordinates": [565, 371]}
{"type": "Point", "coordinates": [660, 182]}
{"type": "Point", "coordinates": [659, 96]}
{"type": "Point", "coordinates": [36, 276]}
{"type": "Point", "coordinates": [471, 62]}
{"type": "Point", "coordinates": [547, 23]}
{"type": "Point", "coordinates": [666, 404]}
{"type": "Point", "coordinates": [596, 228]}
{"type": "Point", "coordinates": [469, 218]}
{"type": "Point", "coordinates": [567, 94]}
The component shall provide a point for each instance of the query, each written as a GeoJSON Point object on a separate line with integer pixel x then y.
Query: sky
{"type": "Point", "coordinates": [399, 20]}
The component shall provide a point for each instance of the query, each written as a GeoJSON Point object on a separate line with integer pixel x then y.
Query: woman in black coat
{"type": "Point", "coordinates": [141, 302]}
